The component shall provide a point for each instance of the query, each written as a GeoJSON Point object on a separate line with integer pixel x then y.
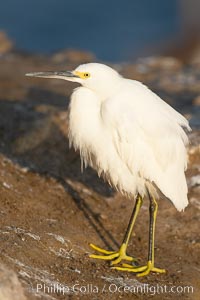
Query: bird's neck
{"type": "Point", "coordinates": [105, 90]}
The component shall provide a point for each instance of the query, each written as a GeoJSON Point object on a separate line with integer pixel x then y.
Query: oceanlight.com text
{"type": "Point", "coordinates": [113, 289]}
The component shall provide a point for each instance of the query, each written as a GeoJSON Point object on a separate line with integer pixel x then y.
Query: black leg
{"type": "Point", "coordinates": [138, 204]}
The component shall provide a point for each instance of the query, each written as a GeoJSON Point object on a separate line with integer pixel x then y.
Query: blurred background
{"type": "Point", "coordinates": [113, 30]}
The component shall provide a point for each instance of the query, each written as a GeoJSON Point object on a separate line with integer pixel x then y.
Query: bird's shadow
{"type": "Point", "coordinates": [31, 137]}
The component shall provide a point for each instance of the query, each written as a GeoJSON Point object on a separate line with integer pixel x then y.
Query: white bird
{"type": "Point", "coordinates": [132, 138]}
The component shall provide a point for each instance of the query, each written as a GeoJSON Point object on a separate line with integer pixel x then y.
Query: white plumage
{"type": "Point", "coordinates": [128, 134]}
{"type": "Point", "coordinates": [134, 140]}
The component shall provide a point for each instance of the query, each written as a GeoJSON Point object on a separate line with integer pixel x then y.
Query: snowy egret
{"type": "Point", "coordinates": [131, 137]}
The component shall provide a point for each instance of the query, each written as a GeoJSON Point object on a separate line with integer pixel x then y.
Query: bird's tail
{"type": "Point", "coordinates": [174, 187]}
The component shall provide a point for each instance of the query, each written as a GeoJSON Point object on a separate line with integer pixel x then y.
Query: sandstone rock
{"type": "Point", "coordinates": [10, 287]}
{"type": "Point", "coordinates": [5, 43]}
{"type": "Point", "coordinates": [74, 56]}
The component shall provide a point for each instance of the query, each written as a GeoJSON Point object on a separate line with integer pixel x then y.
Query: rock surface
{"type": "Point", "coordinates": [10, 286]}
{"type": "Point", "coordinates": [6, 44]}
{"type": "Point", "coordinates": [50, 211]}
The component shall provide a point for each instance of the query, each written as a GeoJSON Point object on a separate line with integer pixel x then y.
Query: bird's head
{"type": "Point", "coordinates": [97, 77]}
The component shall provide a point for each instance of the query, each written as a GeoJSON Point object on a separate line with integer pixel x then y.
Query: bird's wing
{"type": "Point", "coordinates": [149, 138]}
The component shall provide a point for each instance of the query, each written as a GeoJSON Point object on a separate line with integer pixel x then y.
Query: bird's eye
{"type": "Point", "coordinates": [86, 75]}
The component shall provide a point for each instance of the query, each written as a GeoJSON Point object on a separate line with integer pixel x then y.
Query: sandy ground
{"type": "Point", "coordinates": [50, 211]}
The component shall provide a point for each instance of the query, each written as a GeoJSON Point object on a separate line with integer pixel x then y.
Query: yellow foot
{"type": "Point", "coordinates": [142, 271]}
{"type": "Point", "coordinates": [114, 256]}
